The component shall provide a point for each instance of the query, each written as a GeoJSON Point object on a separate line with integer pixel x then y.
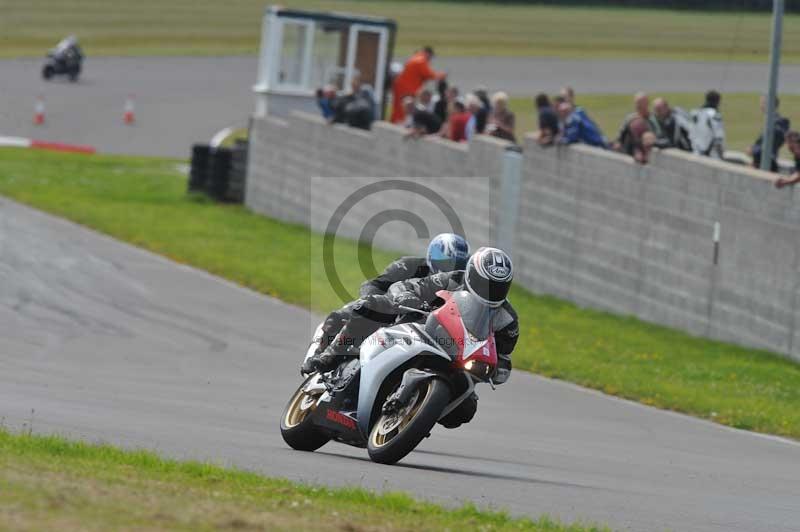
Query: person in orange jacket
{"type": "Point", "coordinates": [416, 72]}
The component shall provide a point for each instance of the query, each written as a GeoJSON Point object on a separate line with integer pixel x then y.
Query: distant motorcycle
{"type": "Point", "coordinates": [406, 378]}
{"type": "Point", "coordinates": [65, 59]}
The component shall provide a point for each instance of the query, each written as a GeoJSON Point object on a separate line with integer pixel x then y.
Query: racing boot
{"type": "Point", "coordinates": [330, 356]}
{"type": "Point", "coordinates": [347, 343]}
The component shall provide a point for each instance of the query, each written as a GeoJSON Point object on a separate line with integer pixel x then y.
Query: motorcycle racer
{"type": "Point", "coordinates": [488, 276]}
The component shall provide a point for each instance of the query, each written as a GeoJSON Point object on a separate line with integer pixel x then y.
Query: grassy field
{"type": "Point", "coordinates": [143, 201]}
{"type": "Point", "coordinates": [48, 483]}
{"type": "Point", "coordinates": [740, 111]}
{"type": "Point", "coordinates": [117, 27]}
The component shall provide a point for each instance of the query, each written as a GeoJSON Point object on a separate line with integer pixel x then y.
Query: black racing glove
{"type": "Point", "coordinates": [411, 300]}
{"type": "Point", "coordinates": [503, 370]}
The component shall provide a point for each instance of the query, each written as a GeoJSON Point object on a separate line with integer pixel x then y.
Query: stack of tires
{"type": "Point", "coordinates": [198, 172]}
{"type": "Point", "coordinates": [219, 172]}
{"type": "Point", "coordinates": [237, 173]}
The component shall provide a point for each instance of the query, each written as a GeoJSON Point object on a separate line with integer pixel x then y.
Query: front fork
{"type": "Point", "coordinates": [411, 379]}
{"type": "Point", "coordinates": [399, 399]}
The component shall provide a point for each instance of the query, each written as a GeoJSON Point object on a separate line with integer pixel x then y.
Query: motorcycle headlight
{"type": "Point", "coordinates": [481, 370]}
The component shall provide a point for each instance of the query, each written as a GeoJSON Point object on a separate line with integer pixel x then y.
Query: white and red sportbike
{"type": "Point", "coordinates": [407, 377]}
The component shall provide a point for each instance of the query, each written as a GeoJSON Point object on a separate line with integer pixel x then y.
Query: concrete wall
{"type": "Point", "coordinates": [592, 226]}
{"type": "Point", "coordinates": [597, 229]}
{"type": "Point", "coordinates": [302, 161]}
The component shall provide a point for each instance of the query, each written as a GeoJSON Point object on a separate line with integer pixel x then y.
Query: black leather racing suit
{"type": "Point", "coordinates": [401, 269]}
{"type": "Point", "coordinates": [375, 311]}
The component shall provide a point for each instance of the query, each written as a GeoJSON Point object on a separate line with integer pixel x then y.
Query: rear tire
{"type": "Point", "coordinates": [434, 396]}
{"type": "Point", "coordinates": [297, 429]}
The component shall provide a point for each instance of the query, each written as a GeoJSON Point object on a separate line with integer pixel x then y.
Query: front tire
{"type": "Point", "coordinates": [392, 437]}
{"type": "Point", "coordinates": [48, 72]}
{"type": "Point", "coordinates": [297, 429]}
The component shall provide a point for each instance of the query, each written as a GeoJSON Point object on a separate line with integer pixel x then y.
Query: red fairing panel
{"type": "Point", "coordinates": [485, 352]}
{"type": "Point", "coordinates": [449, 316]}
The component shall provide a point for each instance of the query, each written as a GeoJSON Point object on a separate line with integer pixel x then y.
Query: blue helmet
{"type": "Point", "coordinates": [447, 252]}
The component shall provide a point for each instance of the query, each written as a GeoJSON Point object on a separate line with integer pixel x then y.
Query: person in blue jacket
{"type": "Point", "coordinates": [578, 127]}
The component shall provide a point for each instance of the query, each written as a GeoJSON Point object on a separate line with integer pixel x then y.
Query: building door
{"type": "Point", "coordinates": [366, 57]}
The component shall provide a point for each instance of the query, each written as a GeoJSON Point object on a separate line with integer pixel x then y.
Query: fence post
{"type": "Point", "coordinates": [510, 188]}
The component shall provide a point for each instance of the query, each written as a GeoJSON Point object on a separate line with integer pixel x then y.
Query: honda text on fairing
{"type": "Point", "coordinates": [407, 377]}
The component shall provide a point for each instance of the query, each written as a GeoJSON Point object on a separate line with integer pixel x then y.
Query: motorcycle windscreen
{"type": "Point", "coordinates": [476, 315]}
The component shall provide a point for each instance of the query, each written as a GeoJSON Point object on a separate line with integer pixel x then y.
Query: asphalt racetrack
{"type": "Point", "coordinates": [183, 100]}
{"type": "Point", "coordinates": [106, 342]}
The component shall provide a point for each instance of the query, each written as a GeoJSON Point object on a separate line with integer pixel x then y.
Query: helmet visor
{"type": "Point", "coordinates": [447, 264]}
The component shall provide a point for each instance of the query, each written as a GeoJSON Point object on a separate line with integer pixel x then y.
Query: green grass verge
{"type": "Point", "coordinates": [740, 111]}
{"type": "Point", "coordinates": [49, 483]}
{"type": "Point", "coordinates": [143, 200]}
{"type": "Point", "coordinates": [118, 27]}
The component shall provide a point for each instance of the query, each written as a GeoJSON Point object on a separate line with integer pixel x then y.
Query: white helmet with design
{"type": "Point", "coordinates": [488, 275]}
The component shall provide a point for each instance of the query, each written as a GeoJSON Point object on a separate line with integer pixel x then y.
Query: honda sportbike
{"type": "Point", "coordinates": [407, 377]}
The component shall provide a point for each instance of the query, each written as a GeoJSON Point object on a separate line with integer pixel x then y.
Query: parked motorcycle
{"type": "Point", "coordinates": [65, 59]}
{"type": "Point", "coordinates": [407, 377]}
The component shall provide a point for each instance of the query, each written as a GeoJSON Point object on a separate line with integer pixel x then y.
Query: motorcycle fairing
{"type": "Point", "coordinates": [478, 346]}
{"type": "Point", "coordinates": [335, 410]}
{"type": "Point", "coordinates": [382, 353]}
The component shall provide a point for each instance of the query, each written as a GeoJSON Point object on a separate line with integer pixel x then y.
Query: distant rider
{"type": "Point", "coordinates": [68, 49]}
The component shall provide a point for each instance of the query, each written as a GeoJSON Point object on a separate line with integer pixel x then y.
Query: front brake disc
{"type": "Point", "coordinates": [388, 423]}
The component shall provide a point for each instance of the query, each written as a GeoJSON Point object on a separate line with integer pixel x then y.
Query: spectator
{"type": "Point", "coordinates": [446, 95]}
{"type": "Point", "coordinates": [456, 127]}
{"type": "Point", "coordinates": [416, 72]}
{"type": "Point", "coordinates": [356, 109]}
{"type": "Point", "coordinates": [474, 108]}
{"type": "Point", "coordinates": [578, 127]}
{"type": "Point", "coordinates": [671, 129]}
{"type": "Point", "coordinates": [326, 98]}
{"type": "Point", "coordinates": [782, 125]}
{"type": "Point", "coordinates": [409, 106]}
{"type": "Point", "coordinates": [483, 95]}
{"type": "Point", "coordinates": [548, 120]}
{"type": "Point", "coordinates": [363, 112]}
{"type": "Point", "coordinates": [568, 94]}
{"type": "Point", "coordinates": [501, 120]}
{"type": "Point", "coordinates": [425, 100]}
{"type": "Point", "coordinates": [708, 133]}
{"type": "Point", "coordinates": [642, 139]}
{"type": "Point", "coordinates": [629, 139]}
{"type": "Point", "coordinates": [421, 120]}
{"type": "Point", "coordinates": [793, 144]}
{"type": "Point", "coordinates": [482, 114]}
{"type": "Point", "coordinates": [340, 103]}
{"type": "Point", "coordinates": [557, 101]}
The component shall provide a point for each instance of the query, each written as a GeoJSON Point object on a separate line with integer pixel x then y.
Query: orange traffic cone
{"type": "Point", "coordinates": [38, 112]}
{"type": "Point", "coordinates": [128, 116]}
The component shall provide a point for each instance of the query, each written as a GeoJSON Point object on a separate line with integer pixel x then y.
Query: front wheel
{"type": "Point", "coordinates": [48, 72]}
{"type": "Point", "coordinates": [395, 435]}
{"type": "Point", "coordinates": [297, 429]}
